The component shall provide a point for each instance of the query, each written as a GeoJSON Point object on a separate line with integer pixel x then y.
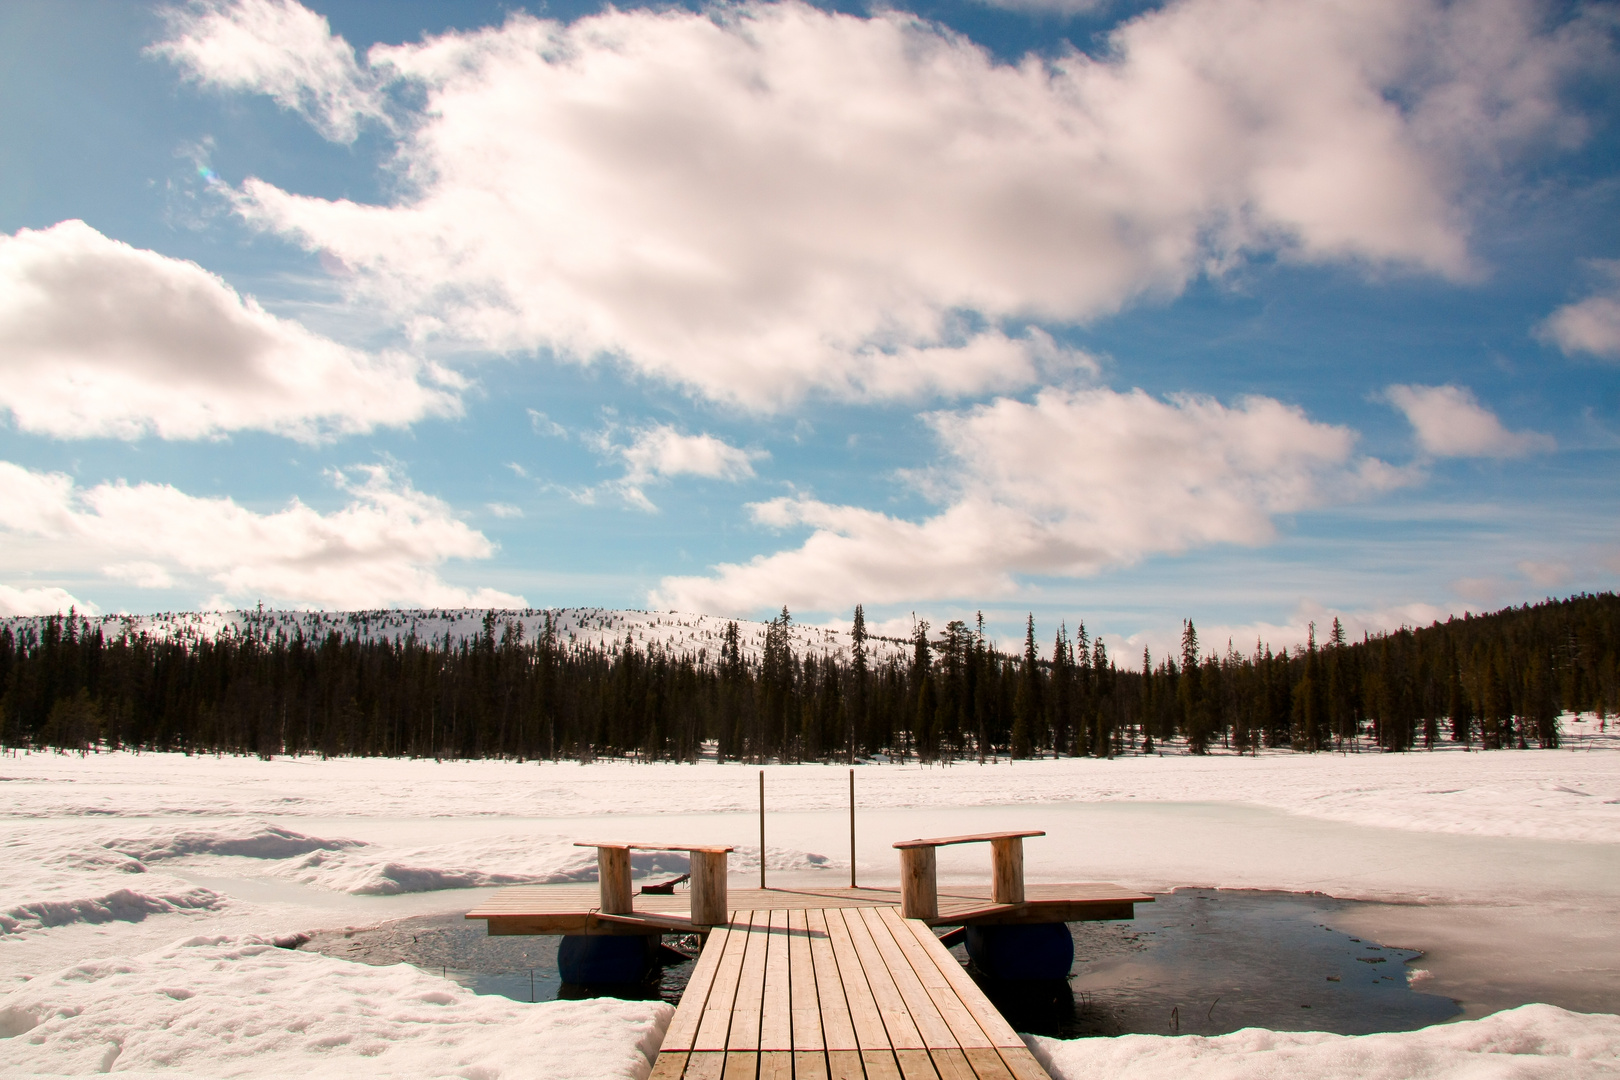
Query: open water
{"type": "Point", "coordinates": [1198, 961]}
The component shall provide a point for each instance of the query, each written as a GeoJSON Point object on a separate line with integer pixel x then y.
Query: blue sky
{"type": "Point", "coordinates": [1250, 311]}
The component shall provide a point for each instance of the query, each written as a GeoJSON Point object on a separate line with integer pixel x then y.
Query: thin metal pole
{"type": "Point", "coordinates": [762, 828]}
{"type": "Point", "coordinates": [852, 828]}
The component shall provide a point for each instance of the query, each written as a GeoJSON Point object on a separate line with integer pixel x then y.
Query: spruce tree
{"type": "Point", "coordinates": [1190, 692]}
{"type": "Point", "coordinates": [857, 700]}
{"type": "Point", "coordinates": [1149, 701]}
{"type": "Point", "coordinates": [1063, 691]}
{"type": "Point", "coordinates": [1027, 705]}
{"type": "Point", "coordinates": [1104, 733]}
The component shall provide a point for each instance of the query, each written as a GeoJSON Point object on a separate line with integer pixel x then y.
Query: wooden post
{"type": "Point", "coordinates": [852, 828]}
{"type": "Point", "coordinates": [1007, 870]}
{"type": "Point", "coordinates": [613, 874]}
{"type": "Point", "coordinates": [919, 894]}
{"type": "Point", "coordinates": [762, 828]}
{"type": "Point", "coordinates": [708, 870]}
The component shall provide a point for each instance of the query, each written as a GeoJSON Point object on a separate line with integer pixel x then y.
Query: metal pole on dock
{"type": "Point", "coordinates": [852, 828]}
{"type": "Point", "coordinates": [762, 828]}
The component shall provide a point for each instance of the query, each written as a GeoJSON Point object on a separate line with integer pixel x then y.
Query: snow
{"type": "Point", "coordinates": [1530, 1042]}
{"type": "Point", "coordinates": [97, 899]}
{"type": "Point", "coordinates": [681, 633]}
{"type": "Point", "coordinates": [144, 893]}
{"type": "Point", "coordinates": [1571, 795]}
{"type": "Point", "coordinates": [240, 1006]}
{"type": "Point", "coordinates": [88, 872]}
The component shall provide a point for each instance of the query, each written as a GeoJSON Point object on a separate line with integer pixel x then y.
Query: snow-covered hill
{"type": "Point", "coordinates": [680, 633]}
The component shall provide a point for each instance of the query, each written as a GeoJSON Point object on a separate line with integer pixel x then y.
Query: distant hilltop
{"type": "Point", "coordinates": [604, 628]}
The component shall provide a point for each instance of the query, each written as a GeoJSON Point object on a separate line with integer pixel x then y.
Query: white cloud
{"type": "Point", "coordinates": [381, 549]}
{"type": "Point", "coordinates": [545, 425]}
{"type": "Point", "coordinates": [1484, 592]}
{"type": "Point", "coordinates": [1591, 325]}
{"type": "Point", "coordinates": [1067, 485]}
{"type": "Point", "coordinates": [278, 48]}
{"type": "Point", "coordinates": [1450, 422]}
{"type": "Point", "coordinates": [767, 200]}
{"type": "Point", "coordinates": [1165, 642]}
{"type": "Point", "coordinates": [505, 510]}
{"type": "Point", "coordinates": [1056, 7]}
{"type": "Point", "coordinates": [142, 575]}
{"type": "Point", "coordinates": [98, 338]}
{"type": "Point", "coordinates": [660, 452]}
{"type": "Point", "coordinates": [45, 600]}
{"type": "Point", "coordinates": [1547, 574]}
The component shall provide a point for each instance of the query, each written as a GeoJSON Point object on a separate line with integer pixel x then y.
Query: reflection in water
{"type": "Point", "coordinates": [1199, 961]}
{"type": "Point", "coordinates": [1206, 962]}
{"type": "Point", "coordinates": [520, 967]}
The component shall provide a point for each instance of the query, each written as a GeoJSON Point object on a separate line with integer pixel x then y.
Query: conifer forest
{"type": "Point", "coordinates": [1495, 681]}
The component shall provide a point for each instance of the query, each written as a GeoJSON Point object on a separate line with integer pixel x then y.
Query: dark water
{"type": "Point", "coordinates": [1199, 961]}
{"type": "Point", "coordinates": [1206, 962]}
{"type": "Point", "coordinates": [521, 968]}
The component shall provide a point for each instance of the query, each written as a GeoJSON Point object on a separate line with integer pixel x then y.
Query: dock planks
{"type": "Point", "coordinates": [836, 993]}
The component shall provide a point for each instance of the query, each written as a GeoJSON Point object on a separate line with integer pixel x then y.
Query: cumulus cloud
{"type": "Point", "coordinates": [763, 201]}
{"type": "Point", "coordinates": [660, 452]}
{"type": "Point", "coordinates": [1049, 7]}
{"type": "Point", "coordinates": [1450, 422]}
{"type": "Point", "coordinates": [1214, 638]}
{"type": "Point", "coordinates": [1559, 569]}
{"type": "Point", "coordinates": [41, 600]}
{"type": "Point", "coordinates": [278, 48]}
{"type": "Point", "coordinates": [1484, 592]}
{"type": "Point", "coordinates": [382, 548]}
{"type": "Point", "coordinates": [98, 338]}
{"type": "Point", "coordinates": [1547, 574]}
{"type": "Point", "coordinates": [1591, 325]}
{"type": "Point", "coordinates": [1071, 483]}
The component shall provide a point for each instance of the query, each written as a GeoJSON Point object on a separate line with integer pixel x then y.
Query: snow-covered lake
{"type": "Point", "coordinates": [143, 896]}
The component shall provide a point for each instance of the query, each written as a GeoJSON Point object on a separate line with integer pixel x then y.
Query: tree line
{"type": "Point", "coordinates": [1493, 681]}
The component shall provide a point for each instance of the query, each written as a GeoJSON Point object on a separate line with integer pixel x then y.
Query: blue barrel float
{"type": "Point", "coordinates": [1022, 952]}
{"type": "Point", "coordinates": [611, 959]}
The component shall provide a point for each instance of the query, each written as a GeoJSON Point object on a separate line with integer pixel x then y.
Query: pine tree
{"type": "Point", "coordinates": [1149, 701]}
{"type": "Point", "coordinates": [1309, 713]}
{"type": "Point", "coordinates": [1063, 691]}
{"type": "Point", "coordinates": [857, 700]}
{"type": "Point", "coordinates": [1541, 712]}
{"type": "Point", "coordinates": [1190, 692]}
{"type": "Point", "coordinates": [921, 665]}
{"type": "Point", "coordinates": [985, 686]}
{"type": "Point", "coordinates": [1459, 706]}
{"type": "Point", "coordinates": [1027, 706]}
{"type": "Point", "coordinates": [1104, 733]}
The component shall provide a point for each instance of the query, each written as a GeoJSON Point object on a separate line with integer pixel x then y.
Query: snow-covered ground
{"type": "Point", "coordinates": [143, 895]}
{"type": "Point", "coordinates": [1535, 1042]}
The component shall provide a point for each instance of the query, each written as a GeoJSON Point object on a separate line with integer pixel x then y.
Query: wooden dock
{"type": "Point", "coordinates": [822, 984]}
{"type": "Point", "coordinates": [836, 993]}
{"type": "Point", "coordinates": [575, 909]}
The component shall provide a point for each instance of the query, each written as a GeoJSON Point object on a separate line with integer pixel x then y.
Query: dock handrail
{"type": "Point", "coordinates": [919, 888]}
{"type": "Point", "coordinates": [707, 867]}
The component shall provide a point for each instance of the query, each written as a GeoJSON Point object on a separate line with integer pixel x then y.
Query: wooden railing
{"type": "Point", "coordinates": [708, 870]}
{"type": "Point", "coordinates": [919, 888]}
